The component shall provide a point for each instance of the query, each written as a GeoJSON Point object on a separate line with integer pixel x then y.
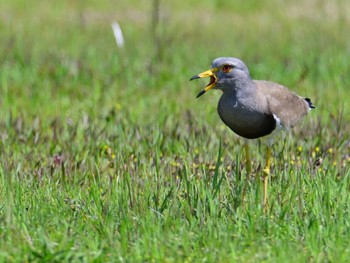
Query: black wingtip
{"type": "Point", "coordinates": [310, 103]}
{"type": "Point", "coordinates": [200, 93]}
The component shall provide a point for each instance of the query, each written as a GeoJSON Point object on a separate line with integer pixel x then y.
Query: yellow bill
{"type": "Point", "coordinates": [213, 79]}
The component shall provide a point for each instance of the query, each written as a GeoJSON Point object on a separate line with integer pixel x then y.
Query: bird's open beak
{"type": "Point", "coordinates": [213, 79]}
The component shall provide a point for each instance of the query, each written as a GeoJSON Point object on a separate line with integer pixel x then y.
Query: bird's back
{"type": "Point", "coordinates": [287, 106]}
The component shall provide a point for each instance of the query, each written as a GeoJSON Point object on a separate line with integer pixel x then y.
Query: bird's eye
{"type": "Point", "coordinates": [226, 68]}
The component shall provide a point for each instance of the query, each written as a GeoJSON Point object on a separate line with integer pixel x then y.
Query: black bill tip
{"type": "Point", "coordinates": [200, 93]}
{"type": "Point", "coordinates": [195, 77]}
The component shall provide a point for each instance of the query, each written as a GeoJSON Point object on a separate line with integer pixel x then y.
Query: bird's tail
{"type": "Point", "coordinates": [311, 106]}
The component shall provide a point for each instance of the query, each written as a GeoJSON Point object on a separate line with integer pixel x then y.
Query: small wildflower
{"type": "Point", "coordinates": [330, 150]}
{"type": "Point", "coordinates": [313, 154]}
{"type": "Point", "coordinates": [107, 149]}
{"type": "Point", "coordinates": [292, 162]}
{"type": "Point", "coordinates": [300, 148]}
{"type": "Point", "coordinates": [175, 164]}
{"type": "Point", "coordinates": [319, 170]}
{"type": "Point", "coordinates": [211, 167]}
{"type": "Point", "coordinates": [118, 107]}
{"type": "Point", "coordinates": [334, 163]}
{"type": "Point", "coordinates": [317, 149]}
{"type": "Point", "coordinates": [58, 159]}
{"type": "Point", "coordinates": [113, 156]}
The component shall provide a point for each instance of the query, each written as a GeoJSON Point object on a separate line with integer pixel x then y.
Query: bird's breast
{"type": "Point", "coordinates": [244, 118]}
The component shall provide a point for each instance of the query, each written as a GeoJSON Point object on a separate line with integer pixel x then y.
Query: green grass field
{"type": "Point", "coordinates": [106, 155]}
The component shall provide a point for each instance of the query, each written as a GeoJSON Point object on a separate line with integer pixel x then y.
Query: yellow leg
{"type": "Point", "coordinates": [249, 170]}
{"type": "Point", "coordinates": [247, 159]}
{"type": "Point", "coordinates": [266, 172]}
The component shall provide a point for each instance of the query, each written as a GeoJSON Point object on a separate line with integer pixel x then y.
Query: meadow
{"type": "Point", "coordinates": [107, 156]}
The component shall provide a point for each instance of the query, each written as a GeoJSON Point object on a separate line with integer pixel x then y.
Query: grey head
{"type": "Point", "coordinates": [231, 72]}
{"type": "Point", "coordinates": [235, 64]}
{"type": "Point", "coordinates": [225, 73]}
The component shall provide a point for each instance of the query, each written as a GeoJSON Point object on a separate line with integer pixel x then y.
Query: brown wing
{"type": "Point", "coordinates": [289, 107]}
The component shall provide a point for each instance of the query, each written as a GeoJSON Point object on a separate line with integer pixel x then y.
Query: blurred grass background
{"type": "Point", "coordinates": [65, 52]}
{"type": "Point", "coordinates": [106, 154]}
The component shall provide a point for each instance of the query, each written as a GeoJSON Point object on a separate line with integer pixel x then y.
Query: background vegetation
{"type": "Point", "coordinates": [106, 155]}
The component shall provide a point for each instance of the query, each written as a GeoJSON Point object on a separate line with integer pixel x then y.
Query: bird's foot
{"type": "Point", "coordinates": [266, 171]}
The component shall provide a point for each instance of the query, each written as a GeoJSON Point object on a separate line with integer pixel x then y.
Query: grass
{"type": "Point", "coordinates": [106, 155]}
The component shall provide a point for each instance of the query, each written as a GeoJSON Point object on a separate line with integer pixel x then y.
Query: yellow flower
{"type": "Point", "coordinates": [212, 167]}
{"type": "Point", "coordinates": [317, 149]}
{"type": "Point", "coordinates": [175, 164]}
{"type": "Point", "coordinates": [300, 148]}
{"type": "Point", "coordinates": [330, 150]}
{"type": "Point", "coordinates": [118, 107]}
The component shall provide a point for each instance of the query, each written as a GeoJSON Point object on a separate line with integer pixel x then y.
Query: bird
{"type": "Point", "coordinates": [253, 108]}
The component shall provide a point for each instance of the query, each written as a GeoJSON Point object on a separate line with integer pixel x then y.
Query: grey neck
{"type": "Point", "coordinates": [239, 85]}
